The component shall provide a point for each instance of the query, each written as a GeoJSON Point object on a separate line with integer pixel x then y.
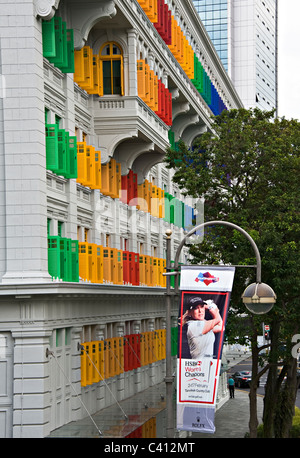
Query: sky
{"type": "Point", "coordinates": [289, 59]}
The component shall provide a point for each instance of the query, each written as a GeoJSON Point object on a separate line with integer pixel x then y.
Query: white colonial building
{"type": "Point", "coordinates": [92, 94]}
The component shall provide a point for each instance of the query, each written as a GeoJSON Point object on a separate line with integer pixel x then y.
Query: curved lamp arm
{"type": "Point", "coordinates": [233, 226]}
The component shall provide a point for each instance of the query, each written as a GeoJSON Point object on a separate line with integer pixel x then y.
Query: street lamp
{"type": "Point", "coordinates": [259, 298]}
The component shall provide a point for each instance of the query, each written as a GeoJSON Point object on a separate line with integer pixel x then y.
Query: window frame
{"type": "Point", "coordinates": [111, 58]}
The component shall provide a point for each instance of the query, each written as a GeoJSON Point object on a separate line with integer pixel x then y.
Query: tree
{"type": "Point", "coordinates": [247, 170]}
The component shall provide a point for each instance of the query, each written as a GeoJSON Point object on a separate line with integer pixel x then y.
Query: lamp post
{"type": "Point", "coordinates": [258, 298]}
{"type": "Point", "coordinates": [169, 377]}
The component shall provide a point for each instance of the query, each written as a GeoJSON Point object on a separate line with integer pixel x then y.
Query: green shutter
{"type": "Point", "coordinates": [69, 66]}
{"type": "Point", "coordinates": [177, 213]}
{"type": "Point", "coordinates": [58, 58]}
{"type": "Point", "coordinates": [194, 80]}
{"type": "Point", "coordinates": [71, 260]}
{"type": "Point", "coordinates": [167, 208]}
{"type": "Point", "coordinates": [172, 209]}
{"type": "Point", "coordinates": [48, 35]}
{"type": "Point", "coordinates": [58, 44]}
{"type": "Point", "coordinates": [171, 135]}
{"type": "Point", "coordinates": [71, 157]}
{"type": "Point", "coordinates": [64, 61]}
{"type": "Point", "coordinates": [198, 80]}
{"type": "Point", "coordinates": [62, 151]}
{"type": "Point", "coordinates": [54, 257]}
{"type": "Point", "coordinates": [74, 261]}
{"type": "Point", "coordinates": [51, 147]}
{"type": "Point", "coordinates": [206, 88]}
{"type": "Point", "coordinates": [63, 259]}
{"type": "Point", "coordinates": [200, 77]}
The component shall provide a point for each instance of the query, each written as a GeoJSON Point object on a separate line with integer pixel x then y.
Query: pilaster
{"type": "Point", "coordinates": [23, 150]}
{"type": "Point", "coordinates": [31, 416]}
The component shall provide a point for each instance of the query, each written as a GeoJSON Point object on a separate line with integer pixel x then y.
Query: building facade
{"type": "Point", "coordinates": [92, 95]}
{"type": "Point", "coordinates": [245, 37]}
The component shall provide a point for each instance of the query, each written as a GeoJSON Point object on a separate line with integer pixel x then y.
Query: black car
{"type": "Point", "coordinates": [242, 378]}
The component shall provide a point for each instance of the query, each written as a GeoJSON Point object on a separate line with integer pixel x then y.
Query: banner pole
{"type": "Point", "coordinates": [169, 377]}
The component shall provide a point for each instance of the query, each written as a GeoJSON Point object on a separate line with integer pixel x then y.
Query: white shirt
{"type": "Point", "coordinates": [201, 345]}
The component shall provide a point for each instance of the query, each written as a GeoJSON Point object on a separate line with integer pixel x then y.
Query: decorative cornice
{"type": "Point", "coordinates": [45, 9]}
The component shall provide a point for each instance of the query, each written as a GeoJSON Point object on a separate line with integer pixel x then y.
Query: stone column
{"type": "Point", "coordinates": [152, 367]}
{"type": "Point", "coordinates": [138, 370]}
{"type": "Point", "coordinates": [132, 70]}
{"type": "Point", "coordinates": [31, 417]}
{"type": "Point", "coordinates": [22, 152]}
{"type": "Point", "coordinates": [76, 373]}
{"type": "Point", "coordinates": [119, 328]}
{"type": "Point", "coordinates": [101, 403]}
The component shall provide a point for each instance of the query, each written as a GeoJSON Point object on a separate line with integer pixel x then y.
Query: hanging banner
{"type": "Point", "coordinates": [204, 301]}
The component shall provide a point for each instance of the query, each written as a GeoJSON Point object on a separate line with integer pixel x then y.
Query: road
{"type": "Point", "coordinates": [247, 366]}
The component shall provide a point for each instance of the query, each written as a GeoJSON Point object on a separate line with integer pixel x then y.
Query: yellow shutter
{"type": "Point", "coordinates": [79, 66]}
{"type": "Point", "coordinates": [141, 80]}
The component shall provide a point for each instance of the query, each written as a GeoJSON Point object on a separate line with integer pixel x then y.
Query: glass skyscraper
{"type": "Point", "coordinates": [214, 15]}
{"type": "Point", "coordinates": [244, 33]}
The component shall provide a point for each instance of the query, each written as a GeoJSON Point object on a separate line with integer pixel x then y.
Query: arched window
{"type": "Point", "coordinates": [111, 65]}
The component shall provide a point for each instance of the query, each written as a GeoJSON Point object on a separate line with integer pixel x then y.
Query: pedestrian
{"type": "Point", "coordinates": [231, 387]}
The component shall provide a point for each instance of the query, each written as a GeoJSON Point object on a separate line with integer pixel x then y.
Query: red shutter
{"type": "Point", "coordinates": [126, 267]}
{"type": "Point", "coordinates": [124, 191]}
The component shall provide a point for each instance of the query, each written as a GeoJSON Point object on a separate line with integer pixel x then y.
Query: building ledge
{"type": "Point", "coordinates": [25, 291]}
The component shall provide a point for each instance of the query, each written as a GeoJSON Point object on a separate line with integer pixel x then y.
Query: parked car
{"type": "Point", "coordinates": [242, 378]}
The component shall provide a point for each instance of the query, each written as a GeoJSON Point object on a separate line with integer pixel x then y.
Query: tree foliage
{"type": "Point", "coordinates": [247, 170]}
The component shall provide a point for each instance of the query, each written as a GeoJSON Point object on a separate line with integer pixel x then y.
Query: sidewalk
{"type": "Point", "coordinates": [232, 419]}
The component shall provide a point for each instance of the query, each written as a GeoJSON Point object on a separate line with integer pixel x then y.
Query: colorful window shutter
{"type": "Point", "coordinates": [147, 84]}
{"type": "Point", "coordinates": [48, 34]}
{"type": "Point", "coordinates": [105, 179]}
{"type": "Point", "coordinates": [97, 180]}
{"type": "Point", "coordinates": [88, 82]}
{"type": "Point", "coordinates": [62, 151]}
{"type": "Point", "coordinates": [79, 66]}
{"type": "Point", "coordinates": [68, 66]}
{"type": "Point", "coordinates": [97, 86]}
{"type": "Point", "coordinates": [81, 163]}
{"type": "Point", "coordinates": [54, 257]}
{"type": "Point", "coordinates": [59, 42]}
{"type": "Point", "coordinates": [71, 160]}
{"type": "Point", "coordinates": [51, 146]}
{"type": "Point", "coordinates": [141, 79]}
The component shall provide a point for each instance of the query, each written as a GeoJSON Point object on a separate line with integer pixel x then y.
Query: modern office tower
{"type": "Point", "coordinates": [244, 33]}
{"type": "Point", "coordinates": [93, 93]}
